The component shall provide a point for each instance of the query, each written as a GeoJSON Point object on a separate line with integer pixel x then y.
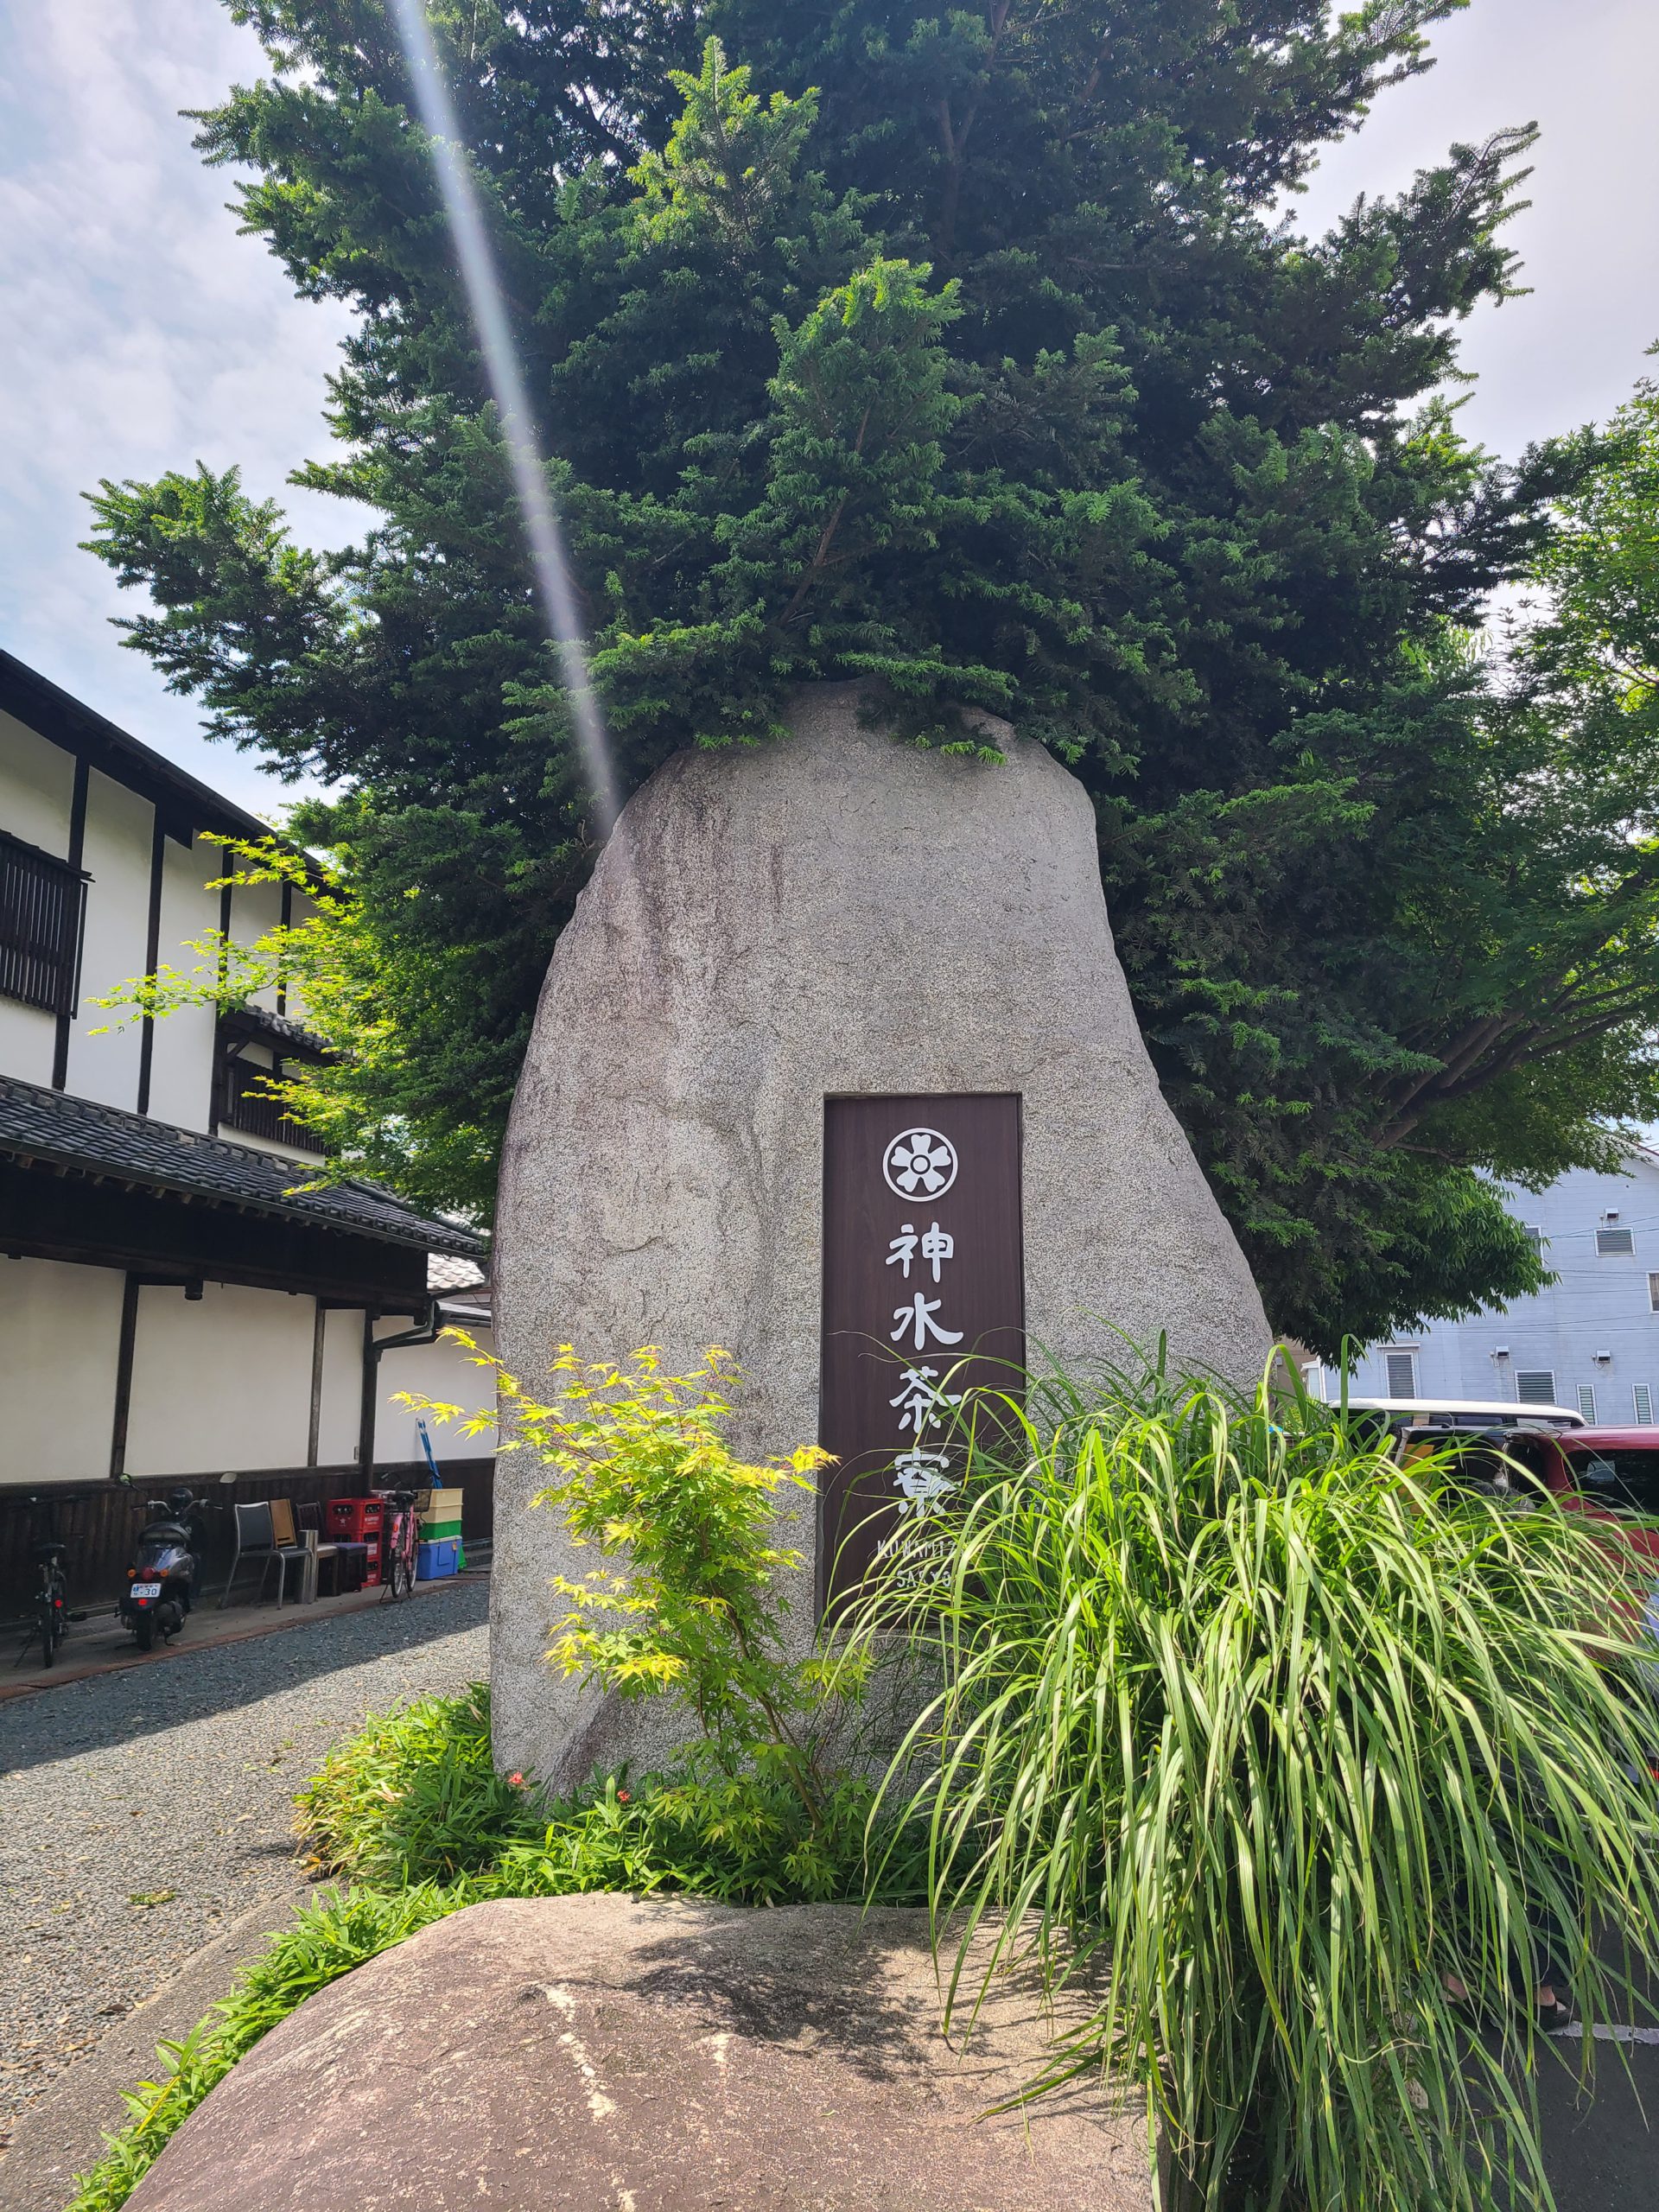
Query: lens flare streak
{"type": "Point", "coordinates": [549, 557]}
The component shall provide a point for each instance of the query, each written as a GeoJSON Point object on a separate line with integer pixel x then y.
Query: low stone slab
{"type": "Point", "coordinates": [570, 2054]}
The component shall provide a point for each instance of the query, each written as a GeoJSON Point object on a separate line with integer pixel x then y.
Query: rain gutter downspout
{"type": "Point", "coordinates": [424, 1333]}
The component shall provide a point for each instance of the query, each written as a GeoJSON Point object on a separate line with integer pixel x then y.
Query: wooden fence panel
{"type": "Point", "coordinates": [100, 1522]}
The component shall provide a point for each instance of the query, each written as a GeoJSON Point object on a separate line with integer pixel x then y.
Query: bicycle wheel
{"type": "Point", "coordinates": [400, 1575]}
{"type": "Point", "coordinates": [48, 1629]}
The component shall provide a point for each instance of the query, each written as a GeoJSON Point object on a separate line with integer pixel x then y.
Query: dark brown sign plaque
{"type": "Point", "coordinates": [924, 1299]}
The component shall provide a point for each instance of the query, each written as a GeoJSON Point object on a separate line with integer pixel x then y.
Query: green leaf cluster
{"type": "Point", "coordinates": [968, 353]}
{"type": "Point", "coordinates": [696, 1610]}
{"type": "Point", "coordinates": [413, 1799]}
{"type": "Point", "coordinates": [1308, 1767]}
{"type": "Point", "coordinates": [412, 1814]}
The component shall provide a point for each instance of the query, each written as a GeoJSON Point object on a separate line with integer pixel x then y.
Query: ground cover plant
{"type": "Point", "coordinates": [760, 1810]}
{"type": "Point", "coordinates": [963, 351]}
{"type": "Point", "coordinates": [411, 1814]}
{"type": "Point", "coordinates": [328, 1939]}
{"type": "Point", "coordinates": [1299, 1748]}
{"type": "Point", "coordinates": [1327, 1762]}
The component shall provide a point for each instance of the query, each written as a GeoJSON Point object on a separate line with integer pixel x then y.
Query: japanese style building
{"type": "Point", "coordinates": [175, 1302]}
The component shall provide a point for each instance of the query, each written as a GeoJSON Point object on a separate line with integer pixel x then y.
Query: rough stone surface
{"type": "Point", "coordinates": [830, 914]}
{"type": "Point", "coordinates": [570, 2054]}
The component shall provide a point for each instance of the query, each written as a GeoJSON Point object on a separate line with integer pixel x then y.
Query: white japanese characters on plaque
{"type": "Point", "coordinates": [921, 1161]}
{"type": "Point", "coordinates": [924, 1300]}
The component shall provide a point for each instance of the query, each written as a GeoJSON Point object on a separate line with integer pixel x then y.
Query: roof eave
{"type": "Point", "coordinates": [186, 805]}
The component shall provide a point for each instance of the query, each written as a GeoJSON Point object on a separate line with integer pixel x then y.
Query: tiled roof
{"type": "Point", "coordinates": [445, 1273]}
{"type": "Point", "coordinates": [275, 1028]}
{"type": "Point", "coordinates": [61, 1131]}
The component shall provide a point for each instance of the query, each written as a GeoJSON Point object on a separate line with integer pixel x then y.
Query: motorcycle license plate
{"type": "Point", "coordinates": [146, 1590]}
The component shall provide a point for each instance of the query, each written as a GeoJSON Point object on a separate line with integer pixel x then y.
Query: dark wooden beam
{"type": "Point", "coordinates": [319, 1341]}
{"type": "Point", "coordinates": [75, 920]}
{"type": "Point", "coordinates": [52, 1217]}
{"type": "Point", "coordinates": [286, 919]}
{"type": "Point", "coordinates": [367, 1406]}
{"type": "Point", "coordinates": [152, 954]}
{"type": "Point", "coordinates": [221, 1078]}
{"type": "Point", "coordinates": [125, 1344]}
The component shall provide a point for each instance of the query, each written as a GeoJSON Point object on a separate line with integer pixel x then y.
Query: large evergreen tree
{"type": "Point", "coordinates": [964, 352]}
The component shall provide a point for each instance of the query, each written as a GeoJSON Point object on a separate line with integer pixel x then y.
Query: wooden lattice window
{"type": "Point", "coordinates": [245, 1102]}
{"type": "Point", "coordinates": [41, 902]}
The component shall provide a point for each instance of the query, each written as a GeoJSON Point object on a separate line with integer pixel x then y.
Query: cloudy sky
{"type": "Point", "coordinates": [139, 332]}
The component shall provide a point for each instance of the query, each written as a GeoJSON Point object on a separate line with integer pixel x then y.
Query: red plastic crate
{"type": "Point", "coordinates": [365, 1570]}
{"type": "Point", "coordinates": [353, 1519]}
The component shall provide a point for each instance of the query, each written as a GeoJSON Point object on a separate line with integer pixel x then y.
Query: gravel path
{"type": "Point", "coordinates": [141, 1811]}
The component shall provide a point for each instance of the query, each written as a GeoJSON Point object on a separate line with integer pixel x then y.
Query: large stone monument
{"type": "Point", "coordinates": [837, 1040]}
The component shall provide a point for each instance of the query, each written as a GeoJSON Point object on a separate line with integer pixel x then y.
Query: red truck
{"type": "Point", "coordinates": [1613, 1473]}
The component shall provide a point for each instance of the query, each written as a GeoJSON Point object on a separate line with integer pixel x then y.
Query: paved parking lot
{"type": "Point", "coordinates": [1602, 2157]}
{"type": "Point", "coordinates": [143, 1811]}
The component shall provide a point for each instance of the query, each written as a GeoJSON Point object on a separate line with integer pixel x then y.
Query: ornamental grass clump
{"type": "Point", "coordinates": [1290, 1748]}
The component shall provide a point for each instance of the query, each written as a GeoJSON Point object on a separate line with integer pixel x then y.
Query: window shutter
{"type": "Point", "coordinates": [1535, 1386]}
{"type": "Point", "coordinates": [1615, 1243]}
{"type": "Point", "coordinates": [1644, 1397]}
{"type": "Point", "coordinates": [1587, 1401]}
{"type": "Point", "coordinates": [42, 904]}
{"type": "Point", "coordinates": [1402, 1374]}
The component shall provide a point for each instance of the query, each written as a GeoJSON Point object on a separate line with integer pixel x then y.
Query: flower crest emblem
{"type": "Point", "coordinates": [919, 1163]}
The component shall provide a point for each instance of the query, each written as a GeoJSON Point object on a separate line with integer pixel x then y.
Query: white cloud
{"type": "Point", "coordinates": [1570, 350]}
{"type": "Point", "coordinates": [139, 332]}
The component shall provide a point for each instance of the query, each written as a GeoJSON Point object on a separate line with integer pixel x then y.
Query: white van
{"type": "Point", "coordinates": [1465, 1413]}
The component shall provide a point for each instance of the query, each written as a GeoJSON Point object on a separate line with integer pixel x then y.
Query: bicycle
{"type": "Point", "coordinates": [398, 1539]}
{"type": "Point", "coordinates": [52, 1613]}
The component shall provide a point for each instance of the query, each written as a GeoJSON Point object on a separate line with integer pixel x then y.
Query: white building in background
{"type": "Point", "coordinates": [174, 1304]}
{"type": "Point", "coordinates": [1590, 1340]}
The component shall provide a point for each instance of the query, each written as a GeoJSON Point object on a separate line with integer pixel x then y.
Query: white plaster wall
{"type": "Point", "coordinates": [303, 908]}
{"type": "Point", "coordinates": [220, 1383]}
{"type": "Point", "coordinates": [224, 1381]}
{"type": "Point", "coordinates": [441, 1370]}
{"type": "Point", "coordinates": [26, 1039]}
{"type": "Point", "coordinates": [37, 783]}
{"type": "Point", "coordinates": [342, 1386]}
{"type": "Point", "coordinates": [59, 1329]}
{"type": "Point", "coordinates": [103, 1046]}
{"type": "Point", "coordinates": [181, 1072]}
{"type": "Point", "coordinates": [256, 909]}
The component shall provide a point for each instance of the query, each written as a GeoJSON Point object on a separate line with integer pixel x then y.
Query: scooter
{"type": "Point", "coordinates": [162, 1580]}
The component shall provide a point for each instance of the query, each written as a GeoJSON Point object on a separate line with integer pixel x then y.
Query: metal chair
{"type": "Point", "coordinates": [256, 1540]}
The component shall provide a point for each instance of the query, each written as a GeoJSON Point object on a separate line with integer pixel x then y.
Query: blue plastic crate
{"type": "Point", "coordinates": [435, 1559]}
